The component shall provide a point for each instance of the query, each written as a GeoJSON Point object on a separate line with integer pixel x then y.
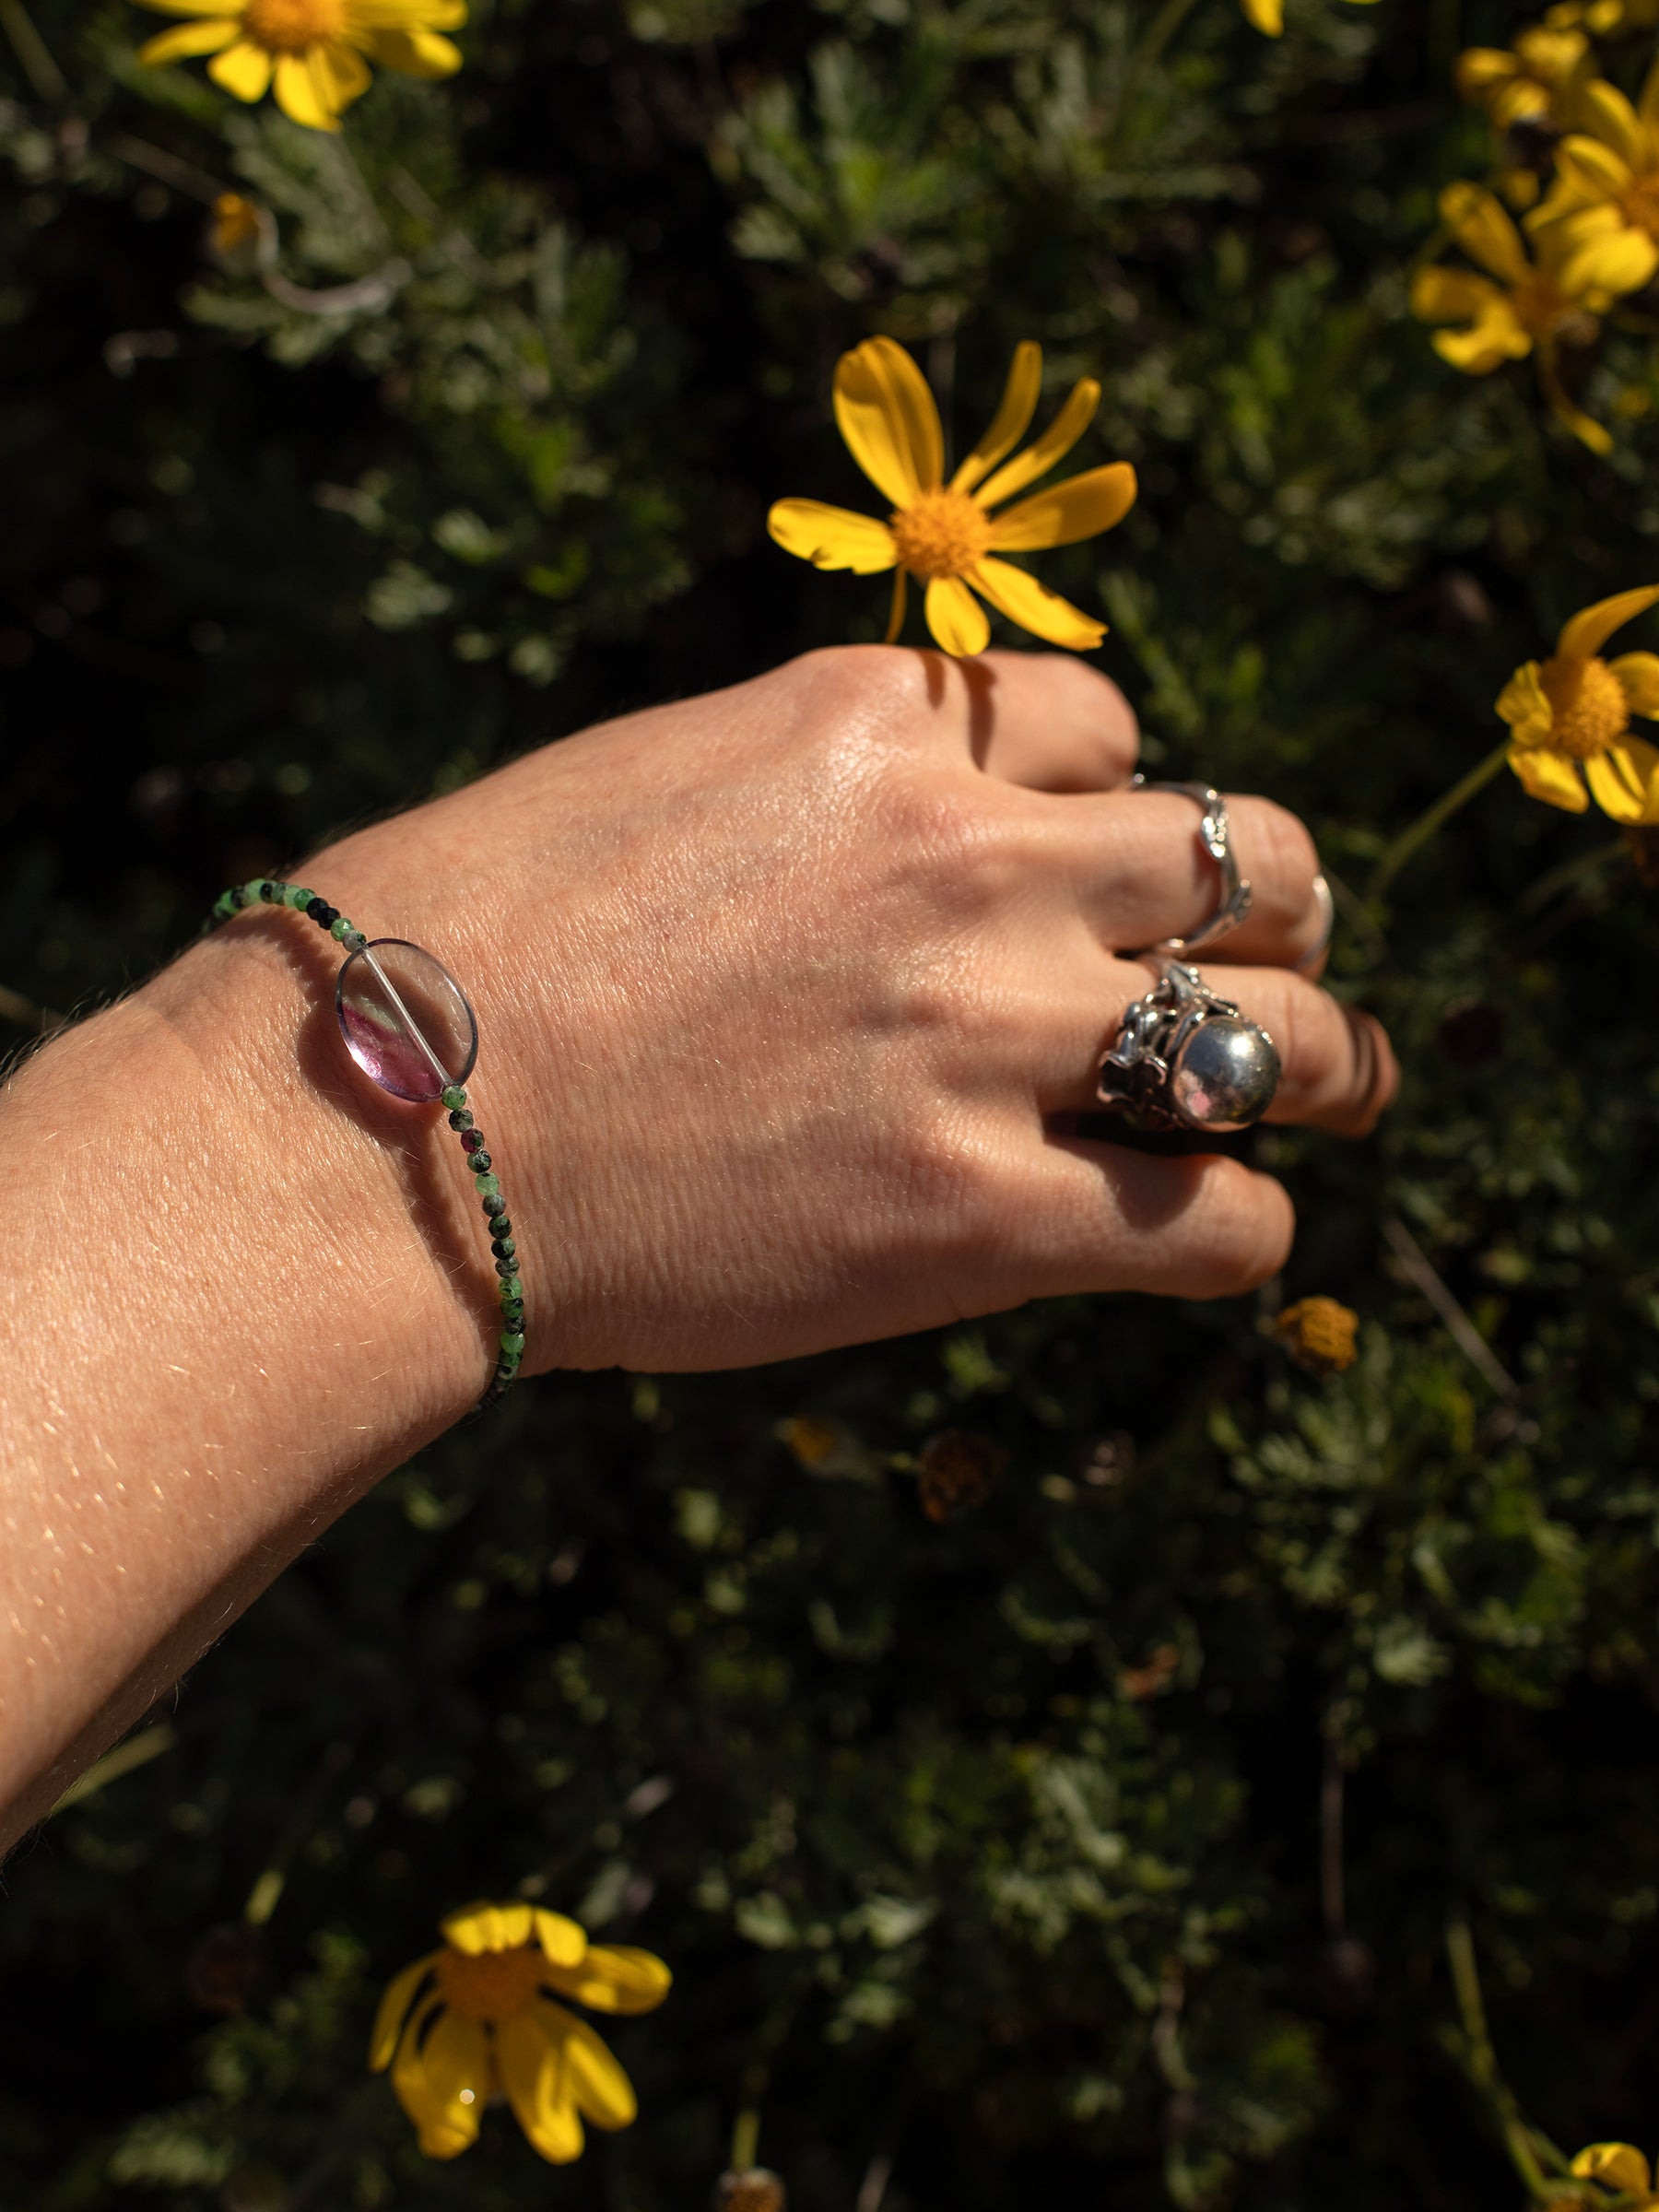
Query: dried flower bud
{"type": "Point", "coordinates": [957, 1471]}
{"type": "Point", "coordinates": [1319, 1335]}
{"type": "Point", "coordinates": [1152, 1680]}
{"type": "Point", "coordinates": [825, 1448]}
{"type": "Point", "coordinates": [235, 223]}
{"type": "Point", "coordinates": [755, 2189]}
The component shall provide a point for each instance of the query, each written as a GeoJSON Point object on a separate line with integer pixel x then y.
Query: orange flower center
{"type": "Point", "coordinates": [941, 534]}
{"type": "Point", "coordinates": [1588, 707]}
{"type": "Point", "coordinates": [492, 1985]}
{"type": "Point", "coordinates": [290, 26]}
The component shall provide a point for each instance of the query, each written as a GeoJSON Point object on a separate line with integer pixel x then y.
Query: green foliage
{"type": "Point", "coordinates": [993, 1849]}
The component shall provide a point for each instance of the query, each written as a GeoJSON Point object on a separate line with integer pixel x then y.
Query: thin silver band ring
{"type": "Point", "coordinates": [1215, 834]}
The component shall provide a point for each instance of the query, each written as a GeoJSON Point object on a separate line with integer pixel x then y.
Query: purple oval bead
{"type": "Point", "coordinates": [406, 1020]}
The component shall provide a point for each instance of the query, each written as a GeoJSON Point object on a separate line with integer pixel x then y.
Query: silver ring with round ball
{"type": "Point", "coordinates": [1215, 834]}
{"type": "Point", "coordinates": [1186, 1058]}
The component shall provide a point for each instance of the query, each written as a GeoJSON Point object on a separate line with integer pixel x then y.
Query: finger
{"type": "Point", "coordinates": [1047, 721]}
{"type": "Point", "coordinates": [1338, 1069]}
{"type": "Point", "coordinates": [1099, 1216]}
{"type": "Point", "coordinates": [1143, 876]}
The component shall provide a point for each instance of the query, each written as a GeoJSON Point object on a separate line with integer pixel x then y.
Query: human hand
{"type": "Point", "coordinates": [786, 995]}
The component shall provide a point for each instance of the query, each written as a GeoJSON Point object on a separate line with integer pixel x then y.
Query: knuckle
{"type": "Point", "coordinates": [942, 830]}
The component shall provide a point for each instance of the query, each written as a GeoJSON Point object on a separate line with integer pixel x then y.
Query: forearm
{"type": "Point", "coordinates": [237, 1290]}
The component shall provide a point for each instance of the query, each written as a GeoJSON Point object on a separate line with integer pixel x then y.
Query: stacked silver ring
{"type": "Point", "coordinates": [1184, 1057]}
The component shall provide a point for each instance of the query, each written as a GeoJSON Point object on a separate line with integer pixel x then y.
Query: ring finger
{"type": "Point", "coordinates": [1338, 1069]}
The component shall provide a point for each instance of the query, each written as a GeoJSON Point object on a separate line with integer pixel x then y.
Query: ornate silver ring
{"type": "Point", "coordinates": [1186, 1058]}
{"type": "Point", "coordinates": [1215, 834]}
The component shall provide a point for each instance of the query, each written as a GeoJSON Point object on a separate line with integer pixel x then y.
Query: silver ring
{"type": "Point", "coordinates": [1215, 834]}
{"type": "Point", "coordinates": [1327, 922]}
{"type": "Point", "coordinates": [1185, 1058]}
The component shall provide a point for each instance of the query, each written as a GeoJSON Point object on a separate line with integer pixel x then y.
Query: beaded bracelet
{"type": "Point", "coordinates": [392, 1000]}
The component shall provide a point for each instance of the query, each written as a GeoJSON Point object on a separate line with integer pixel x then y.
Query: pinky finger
{"type": "Point", "coordinates": [1103, 1218]}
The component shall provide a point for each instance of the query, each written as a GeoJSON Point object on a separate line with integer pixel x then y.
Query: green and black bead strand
{"type": "Point", "coordinates": [390, 1044]}
{"type": "Point", "coordinates": [487, 1184]}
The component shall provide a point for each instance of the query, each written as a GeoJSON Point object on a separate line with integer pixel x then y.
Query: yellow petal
{"type": "Point", "coordinates": [1012, 419]}
{"type": "Point", "coordinates": [1496, 338]}
{"type": "Point", "coordinates": [303, 92]}
{"type": "Point", "coordinates": [1056, 441]}
{"type": "Point", "coordinates": [1624, 782]}
{"type": "Point", "coordinates": [445, 2090]}
{"type": "Point", "coordinates": [1547, 776]}
{"type": "Point", "coordinates": [832, 537]}
{"type": "Point", "coordinates": [1620, 2165]}
{"type": "Point", "coordinates": [413, 53]}
{"type": "Point", "coordinates": [1476, 219]}
{"type": "Point", "coordinates": [402, 15]}
{"type": "Point", "coordinates": [394, 2009]}
{"type": "Point", "coordinates": [614, 1978]}
{"type": "Point", "coordinates": [1482, 68]}
{"type": "Point", "coordinates": [1523, 704]}
{"type": "Point", "coordinates": [209, 36]}
{"type": "Point", "coordinates": [341, 75]}
{"type": "Point", "coordinates": [1587, 166]}
{"type": "Point", "coordinates": [1604, 108]}
{"type": "Point", "coordinates": [1581, 425]}
{"type": "Point", "coordinates": [1621, 261]}
{"type": "Point", "coordinates": [600, 2090]}
{"type": "Point", "coordinates": [194, 8]}
{"type": "Point", "coordinates": [956, 620]}
{"type": "Point", "coordinates": [1591, 627]}
{"type": "Point", "coordinates": [486, 1927]}
{"type": "Point", "coordinates": [1030, 604]}
{"type": "Point", "coordinates": [533, 2073]}
{"type": "Point", "coordinates": [1081, 507]}
{"type": "Point", "coordinates": [1268, 16]}
{"type": "Point", "coordinates": [563, 1942]}
{"type": "Point", "coordinates": [243, 70]}
{"type": "Point", "coordinates": [896, 611]}
{"type": "Point", "coordinates": [1638, 675]}
{"type": "Point", "coordinates": [887, 415]}
{"type": "Point", "coordinates": [1454, 296]}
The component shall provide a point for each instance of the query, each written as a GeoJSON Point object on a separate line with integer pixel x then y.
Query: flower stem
{"type": "Point", "coordinates": [31, 50]}
{"type": "Point", "coordinates": [1433, 819]}
{"type": "Point", "coordinates": [1520, 2141]}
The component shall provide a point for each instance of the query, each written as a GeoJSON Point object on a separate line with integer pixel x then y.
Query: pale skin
{"type": "Point", "coordinates": [786, 996]}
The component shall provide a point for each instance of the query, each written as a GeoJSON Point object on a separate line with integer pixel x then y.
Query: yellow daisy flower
{"type": "Point", "coordinates": [316, 52]}
{"type": "Point", "coordinates": [946, 534]}
{"type": "Point", "coordinates": [1620, 2168]}
{"type": "Point", "coordinates": [1532, 81]}
{"type": "Point", "coordinates": [1601, 219]}
{"type": "Point", "coordinates": [1521, 307]}
{"type": "Point", "coordinates": [476, 2020]}
{"type": "Point", "coordinates": [1571, 718]}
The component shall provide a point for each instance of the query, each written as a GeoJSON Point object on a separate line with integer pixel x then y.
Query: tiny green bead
{"type": "Point", "coordinates": [354, 940]}
{"type": "Point", "coordinates": [253, 889]}
{"type": "Point", "coordinates": [488, 1186]}
{"type": "Point", "coordinates": [511, 1341]}
{"type": "Point", "coordinates": [455, 1097]}
{"type": "Point", "coordinates": [340, 931]}
{"type": "Point", "coordinates": [511, 1286]}
{"type": "Point", "coordinates": [224, 906]}
{"type": "Point", "coordinates": [296, 896]}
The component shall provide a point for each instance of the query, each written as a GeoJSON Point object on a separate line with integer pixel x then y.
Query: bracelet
{"type": "Point", "coordinates": [409, 1027]}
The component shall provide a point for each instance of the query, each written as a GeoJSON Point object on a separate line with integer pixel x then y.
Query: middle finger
{"type": "Point", "coordinates": [1141, 875]}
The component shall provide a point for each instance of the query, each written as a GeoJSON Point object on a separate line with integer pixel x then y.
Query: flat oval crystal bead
{"type": "Point", "coordinates": [406, 1020]}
